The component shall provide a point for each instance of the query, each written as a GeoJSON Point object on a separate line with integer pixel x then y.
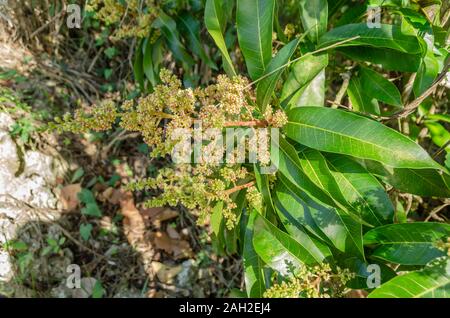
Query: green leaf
{"type": "Point", "coordinates": [387, 36]}
{"type": "Point", "coordinates": [215, 23]}
{"type": "Point", "coordinates": [343, 132]}
{"type": "Point", "coordinates": [314, 15]}
{"type": "Point", "coordinates": [254, 19]}
{"type": "Point", "coordinates": [282, 252]}
{"type": "Point", "coordinates": [191, 28]}
{"type": "Point", "coordinates": [313, 94]}
{"type": "Point", "coordinates": [378, 87]}
{"type": "Point", "coordinates": [423, 182]}
{"type": "Point", "coordinates": [91, 209]}
{"type": "Point", "coordinates": [253, 265]}
{"type": "Point", "coordinates": [262, 181]}
{"type": "Point", "coordinates": [147, 62]}
{"type": "Point", "coordinates": [297, 210]}
{"type": "Point", "coordinates": [168, 27]}
{"type": "Point", "coordinates": [361, 190]}
{"type": "Point", "coordinates": [359, 98]}
{"type": "Point", "coordinates": [138, 68]}
{"type": "Point", "coordinates": [85, 231]}
{"type": "Point", "coordinates": [306, 69]}
{"type": "Point", "coordinates": [77, 175]}
{"type": "Point", "coordinates": [428, 71]}
{"type": "Point", "coordinates": [407, 243]}
{"type": "Point", "coordinates": [431, 282]}
{"type": "Point", "coordinates": [290, 167]}
{"type": "Point", "coordinates": [390, 60]}
{"type": "Point", "coordinates": [98, 291]}
{"type": "Point", "coordinates": [266, 86]}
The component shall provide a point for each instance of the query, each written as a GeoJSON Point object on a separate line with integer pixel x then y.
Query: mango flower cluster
{"type": "Point", "coordinates": [199, 186]}
{"type": "Point", "coordinates": [134, 19]}
{"type": "Point", "coordinates": [319, 281]}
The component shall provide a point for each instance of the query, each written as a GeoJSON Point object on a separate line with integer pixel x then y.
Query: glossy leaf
{"type": "Point", "coordinates": [361, 190]}
{"type": "Point", "coordinates": [305, 70]}
{"type": "Point", "coordinates": [290, 167]}
{"type": "Point", "coordinates": [359, 98]}
{"type": "Point", "coordinates": [282, 252]}
{"type": "Point", "coordinates": [343, 132]}
{"type": "Point", "coordinates": [266, 86]}
{"type": "Point", "coordinates": [191, 28]}
{"type": "Point", "coordinates": [314, 15]}
{"type": "Point", "coordinates": [297, 209]}
{"type": "Point", "coordinates": [168, 27]}
{"type": "Point", "coordinates": [138, 68]}
{"type": "Point", "coordinates": [215, 23]}
{"type": "Point", "coordinates": [407, 243]}
{"type": "Point", "coordinates": [313, 94]}
{"type": "Point", "coordinates": [424, 182]}
{"type": "Point", "coordinates": [378, 87]}
{"type": "Point", "coordinates": [431, 282]}
{"type": "Point", "coordinates": [253, 265]}
{"type": "Point", "coordinates": [254, 22]}
{"type": "Point", "coordinates": [387, 36]}
{"type": "Point", "coordinates": [390, 60]}
{"type": "Point", "coordinates": [147, 62]}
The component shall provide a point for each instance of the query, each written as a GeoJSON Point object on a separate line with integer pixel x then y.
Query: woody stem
{"type": "Point", "coordinates": [240, 187]}
{"type": "Point", "coordinates": [251, 123]}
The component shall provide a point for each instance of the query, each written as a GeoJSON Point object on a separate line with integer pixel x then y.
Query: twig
{"type": "Point", "coordinates": [41, 28]}
{"type": "Point", "coordinates": [433, 214]}
{"type": "Point", "coordinates": [411, 107]}
{"type": "Point", "coordinates": [298, 58]}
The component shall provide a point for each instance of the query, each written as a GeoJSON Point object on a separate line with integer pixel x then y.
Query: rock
{"type": "Point", "coordinates": [87, 287]}
{"type": "Point", "coordinates": [187, 274]}
{"type": "Point", "coordinates": [25, 180]}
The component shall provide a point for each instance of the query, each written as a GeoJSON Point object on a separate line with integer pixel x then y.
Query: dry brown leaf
{"type": "Point", "coordinates": [357, 293]}
{"type": "Point", "coordinates": [178, 248]}
{"type": "Point", "coordinates": [134, 228]}
{"type": "Point", "coordinates": [165, 215]}
{"type": "Point", "coordinates": [69, 196]}
{"type": "Point", "coordinates": [166, 273]}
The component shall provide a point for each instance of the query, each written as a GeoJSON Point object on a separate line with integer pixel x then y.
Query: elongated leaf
{"type": "Point", "coordinates": [253, 265]}
{"type": "Point", "coordinates": [262, 181]}
{"type": "Point", "coordinates": [280, 251]}
{"type": "Point", "coordinates": [387, 36]}
{"type": "Point", "coordinates": [168, 27]}
{"type": "Point", "coordinates": [138, 68]}
{"type": "Point", "coordinates": [361, 190]}
{"type": "Point", "coordinates": [431, 282]}
{"type": "Point", "coordinates": [359, 98]}
{"type": "Point", "coordinates": [191, 28]}
{"type": "Point", "coordinates": [289, 166]}
{"type": "Point", "coordinates": [338, 131]}
{"type": "Point", "coordinates": [314, 15]}
{"type": "Point", "coordinates": [389, 59]}
{"type": "Point", "coordinates": [428, 71]}
{"type": "Point", "coordinates": [424, 182]}
{"type": "Point", "coordinates": [215, 23]}
{"type": "Point", "coordinates": [266, 86]}
{"type": "Point", "coordinates": [147, 62]}
{"type": "Point", "coordinates": [303, 72]}
{"type": "Point", "coordinates": [380, 88]}
{"type": "Point", "coordinates": [297, 210]}
{"type": "Point", "coordinates": [254, 28]}
{"type": "Point", "coordinates": [408, 243]}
